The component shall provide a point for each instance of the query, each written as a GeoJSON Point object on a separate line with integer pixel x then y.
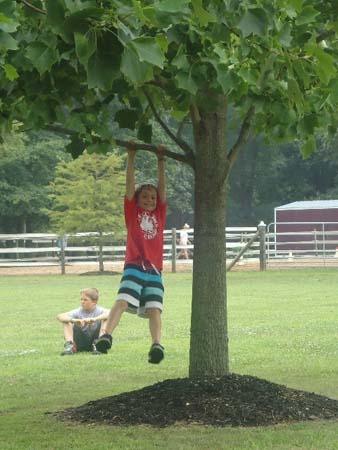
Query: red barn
{"type": "Point", "coordinates": [311, 226]}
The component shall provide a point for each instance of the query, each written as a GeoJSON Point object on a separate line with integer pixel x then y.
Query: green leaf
{"type": "Point", "coordinates": [325, 68]}
{"type": "Point", "coordinates": [10, 72]}
{"type": "Point", "coordinates": [180, 60]}
{"type": "Point", "coordinates": [185, 82]}
{"type": "Point", "coordinates": [333, 86]}
{"type": "Point", "coordinates": [308, 147]}
{"type": "Point", "coordinates": [148, 50]}
{"type": "Point", "coordinates": [308, 124]}
{"type": "Point", "coordinates": [85, 46]}
{"type": "Point", "coordinates": [296, 4]}
{"type": "Point", "coordinates": [202, 16]}
{"type": "Point", "coordinates": [79, 5]}
{"type": "Point", "coordinates": [56, 18]}
{"type": "Point", "coordinates": [285, 37]}
{"type": "Point", "coordinates": [41, 56]}
{"type": "Point", "coordinates": [101, 71]}
{"type": "Point", "coordinates": [225, 78]}
{"type": "Point", "coordinates": [76, 146]}
{"type": "Point", "coordinates": [144, 133]}
{"type": "Point", "coordinates": [126, 118]}
{"type": "Point", "coordinates": [295, 94]}
{"type": "Point", "coordinates": [249, 75]}
{"type": "Point", "coordinates": [135, 70]}
{"type": "Point", "coordinates": [254, 21]}
{"type": "Point", "coordinates": [301, 72]}
{"type": "Point", "coordinates": [8, 21]}
{"type": "Point", "coordinates": [7, 42]}
{"type": "Point", "coordinates": [308, 15]}
{"type": "Point", "coordinates": [173, 6]}
{"type": "Point", "coordinates": [99, 147]}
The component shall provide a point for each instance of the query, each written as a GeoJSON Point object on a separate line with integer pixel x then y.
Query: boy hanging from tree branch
{"type": "Point", "coordinates": [141, 288]}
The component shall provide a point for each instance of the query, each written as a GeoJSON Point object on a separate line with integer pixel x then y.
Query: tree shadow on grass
{"type": "Point", "coordinates": [232, 400]}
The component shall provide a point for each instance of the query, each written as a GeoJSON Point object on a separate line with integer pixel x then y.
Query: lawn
{"type": "Point", "coordinates": [282, 327]}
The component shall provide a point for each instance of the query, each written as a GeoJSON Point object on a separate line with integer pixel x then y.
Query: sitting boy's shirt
{"type": "Point", "coordinates": [144, 234]}
{"type": "Point", "coordinates": [79, 313]}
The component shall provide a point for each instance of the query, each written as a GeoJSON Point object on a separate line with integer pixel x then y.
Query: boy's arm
{"type": "Point", "coordinates": [63, 317]}
{"type": "Point", "coordinates": [130, 173]}
{"type": "Point", "coordinates": [161, 173]}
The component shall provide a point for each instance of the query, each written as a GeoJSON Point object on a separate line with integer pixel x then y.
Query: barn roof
{"type": "Point", "coordinates": [310, 204]}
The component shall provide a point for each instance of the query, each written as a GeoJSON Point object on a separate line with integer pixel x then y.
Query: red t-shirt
{"type": "Point", "coordinates": [144, 233]}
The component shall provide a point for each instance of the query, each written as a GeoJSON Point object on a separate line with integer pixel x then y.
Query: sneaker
{"type": "Point", "coordinates": [103, 343]}
{"type": "Point", "coordinates": [69, 348]}
{"type": "Point", "coordinates": [156, 354]}
{"type": "Point", "coordinates": [95, 350]}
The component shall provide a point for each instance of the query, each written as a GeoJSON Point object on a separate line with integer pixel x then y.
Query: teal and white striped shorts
{"type": "Point", "coordinates": [141, 288]}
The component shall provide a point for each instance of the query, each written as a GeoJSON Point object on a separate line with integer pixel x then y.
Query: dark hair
{"type": "Point", "coordinates": [142, 186]}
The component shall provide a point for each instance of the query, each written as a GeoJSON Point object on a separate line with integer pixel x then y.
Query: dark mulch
{"type": "Point", "coordinates": [232, 400]}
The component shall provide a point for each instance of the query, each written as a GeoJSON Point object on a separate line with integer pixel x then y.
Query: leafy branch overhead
{"type": "Point", "coordinates": [274, 62]}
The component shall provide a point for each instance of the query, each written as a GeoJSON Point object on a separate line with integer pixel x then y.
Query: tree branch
{"type": "Point", "coordinates": [242, 137]}
{"type": "Point", "coordinates": [182, 144]}
{"type": "Point", "coordinates": [137, 145]}
{"type": "Point", "coordinates": [153, 149]}
{"type": "Point", "coordinates": [34, 8]}
{"type": "Point", "coordinates": [182, 125]}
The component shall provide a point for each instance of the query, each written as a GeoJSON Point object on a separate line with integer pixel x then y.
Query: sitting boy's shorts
{"type": "Point", "coordinates": [83, 340]}
{"type": "Point", "coordinates": [141, 288]}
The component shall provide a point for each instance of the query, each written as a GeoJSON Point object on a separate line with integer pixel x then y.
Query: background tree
{"type": "Point", "coordinates": [274, 62]}
{"type": "Point", "coordinates": [27, 165]}
{"type": "Point", "coordinates": [87, 196]}
{"type": "Point", "coordinates": [266, 176]}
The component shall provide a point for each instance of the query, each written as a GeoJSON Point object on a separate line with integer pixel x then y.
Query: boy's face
{"type": "Point", "coordinates": [86, 302]}
{"type": "Point", "coordinates": [147, 198]}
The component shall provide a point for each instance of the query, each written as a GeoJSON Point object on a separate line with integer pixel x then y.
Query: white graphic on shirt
{"type": "Point", "coordinates": [148, 224]}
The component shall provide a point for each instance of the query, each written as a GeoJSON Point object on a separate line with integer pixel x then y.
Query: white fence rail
{"type": "Point", "coordinates": [47, 249]}
{"type": "Point", "coordinates": [277, 245]}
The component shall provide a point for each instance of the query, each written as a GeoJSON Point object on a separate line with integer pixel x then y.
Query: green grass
{"type": "Point", "coordinates": [282, 327]}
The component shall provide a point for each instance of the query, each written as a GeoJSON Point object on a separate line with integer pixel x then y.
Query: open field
{"type": "Point", "coordinates": [282, 327]}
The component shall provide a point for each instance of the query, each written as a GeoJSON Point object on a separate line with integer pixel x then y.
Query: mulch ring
{"type": "Point", "coordinates": [232, 400]}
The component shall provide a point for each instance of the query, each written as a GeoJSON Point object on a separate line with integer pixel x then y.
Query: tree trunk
{"type": "Point", "coordinates": [209, 340]}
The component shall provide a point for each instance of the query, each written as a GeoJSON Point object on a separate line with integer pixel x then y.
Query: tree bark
{"type": "Point", "coordinates": [209, 340]}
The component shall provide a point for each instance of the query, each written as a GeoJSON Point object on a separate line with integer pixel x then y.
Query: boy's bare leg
{"type": "Point", "coordinates": [103, 327]}
{"type": "Point", "coordinates": [154, 315]}
{"type": "Point", "coordinates": [68, 331]}
{"type": "Point", "coordinates": [114, 317]}
{"type": "Point", "coordinates": [104, 341]}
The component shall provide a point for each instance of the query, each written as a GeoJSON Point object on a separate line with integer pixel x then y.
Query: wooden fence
{"type": "Point", "coordinates": [41, 249]}
{"type": "Point", "coordinates": [257, 247]}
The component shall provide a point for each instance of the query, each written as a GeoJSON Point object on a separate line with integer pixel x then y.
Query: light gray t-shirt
{"type": "Point", "coordinates": [80, 313]}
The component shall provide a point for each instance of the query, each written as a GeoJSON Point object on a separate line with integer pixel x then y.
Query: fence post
{"type": "Point", "coordinates": [262, 247]}
{"type": "Point", "coordinates": [62, 240]}
{"type": "Point", "coordinates": [173, 250]}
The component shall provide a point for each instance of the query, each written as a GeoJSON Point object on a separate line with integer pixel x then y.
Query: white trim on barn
{"type": "Point", "coordinates": [310, 204]}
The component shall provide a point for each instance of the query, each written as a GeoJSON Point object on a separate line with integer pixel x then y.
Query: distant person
{"type": "Point", "coordinates": [141, 287]}
{"type": "Point", "coordinates": [83, 325]}
{"type": "Point", "coordinates": [184, 242]}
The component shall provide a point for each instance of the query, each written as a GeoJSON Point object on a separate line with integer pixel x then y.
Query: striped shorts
{"type": "Point", "coordinates": [141, 288]}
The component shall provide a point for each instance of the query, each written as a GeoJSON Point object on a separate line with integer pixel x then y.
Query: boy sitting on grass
{"type": "Point", "coordinates": [141, 288]}
{"type": "Point", "coordinates": [82, 326]}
